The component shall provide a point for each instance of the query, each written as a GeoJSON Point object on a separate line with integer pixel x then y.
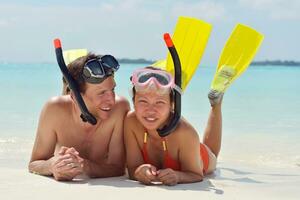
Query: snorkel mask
{"type": "Point", "coordinates": [157, 80]}
{"type": "Point", "coordinates": [98, 69]}
{"type": "Point", "coordinates": [94, 71]}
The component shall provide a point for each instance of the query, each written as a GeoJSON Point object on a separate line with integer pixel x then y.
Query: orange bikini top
{"type": "Point", "coordinates": [168, 161]}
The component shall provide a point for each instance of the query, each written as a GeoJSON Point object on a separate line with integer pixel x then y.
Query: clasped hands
{"type": "Point", "coordinates": [148, 174]}
{"type": "Point", "coordinates": [66, 164]}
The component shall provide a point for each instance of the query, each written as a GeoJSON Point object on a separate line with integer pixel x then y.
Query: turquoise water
{"type": "Point", "coordinates": [263, 100]}
{"type": "Point", "coordinates": [262, 107]}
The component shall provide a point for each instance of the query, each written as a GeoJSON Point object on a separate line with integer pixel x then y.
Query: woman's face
{"type": "Point", "coordinates": [152, 109]}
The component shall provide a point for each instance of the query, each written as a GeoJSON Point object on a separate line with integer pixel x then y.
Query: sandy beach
{"type": "Point", "coordinates": [230, 181]}
{"type": "Point", "coordinates": [259, 158]}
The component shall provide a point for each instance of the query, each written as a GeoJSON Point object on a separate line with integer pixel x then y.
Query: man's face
{"type": "Point", "coordinates": [100, 98]}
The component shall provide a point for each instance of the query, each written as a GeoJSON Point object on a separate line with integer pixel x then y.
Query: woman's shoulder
{"type": "Point", "coordinates": [131, 115]}
{"type": "Point", "coordinates": [132, 122]}
{"type": "Point", "coordinates": [132, 125]}
{"type": "Point", "coordinates": [185, 130]}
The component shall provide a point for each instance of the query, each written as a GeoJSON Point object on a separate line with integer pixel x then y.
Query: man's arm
{"type": "Point", "coordinates": [42, 160]}
{"type": "Point", "coordinates": [44, 145]}
{"type": "Point", "coordinates": [114, 164]}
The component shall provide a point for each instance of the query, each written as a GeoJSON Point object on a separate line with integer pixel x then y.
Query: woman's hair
{"type": "Point", "coordinates": [75, 69]}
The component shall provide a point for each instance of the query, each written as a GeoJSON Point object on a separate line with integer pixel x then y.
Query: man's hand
{"type": "Point", "coordinates": [67, 164]}
{"type": "Point", "coordinates": [146, 174]}
{"type": "Point", "coordinates": [168, 176]}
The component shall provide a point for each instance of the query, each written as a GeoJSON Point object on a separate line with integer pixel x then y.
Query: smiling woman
{"type": "Point", "coordinates": [177, 157]}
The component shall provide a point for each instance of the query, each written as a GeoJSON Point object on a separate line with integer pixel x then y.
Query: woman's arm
{"type": "Point", "coordinates": [189, 158]}
{"type": "Point", "coordinates": [134, 157]}
{"type": "Point", "coordinates": [145, 173]}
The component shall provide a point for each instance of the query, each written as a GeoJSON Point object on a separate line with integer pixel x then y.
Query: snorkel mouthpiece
{"type": "Point", "coordinates": [166, 130]}
{"type": "Point", "coordinates": [86, 116]}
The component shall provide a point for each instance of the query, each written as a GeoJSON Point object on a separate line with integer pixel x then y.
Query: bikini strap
{"type": "Point", "coordinates": [145, 137]}
{"type": "Point", "coordinates": [164, 144]}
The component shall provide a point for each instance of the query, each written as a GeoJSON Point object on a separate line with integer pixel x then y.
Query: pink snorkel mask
{"type": "Point", "coordinates": [153, 80]}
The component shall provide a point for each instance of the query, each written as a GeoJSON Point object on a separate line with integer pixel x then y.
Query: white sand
{"type": "Point", "coordinates": [245, 171]}
{"type": "Point", "coordinates": [230, 181]}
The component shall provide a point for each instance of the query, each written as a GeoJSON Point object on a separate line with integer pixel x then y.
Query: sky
{"type": "Point", "coordinates": [134, 28]}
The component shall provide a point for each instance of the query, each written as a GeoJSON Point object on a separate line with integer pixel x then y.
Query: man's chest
{"type": "Point", "coordinates": [92, 145]}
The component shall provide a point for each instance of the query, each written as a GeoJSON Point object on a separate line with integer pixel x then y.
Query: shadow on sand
{"type": "Point", "coordinates": [222, 173]}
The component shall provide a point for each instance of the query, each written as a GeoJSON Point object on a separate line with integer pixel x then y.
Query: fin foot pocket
{"type": "Point", "coordinates": [215, 97]}
{"type": "Point", "coordinates": [223, 78]}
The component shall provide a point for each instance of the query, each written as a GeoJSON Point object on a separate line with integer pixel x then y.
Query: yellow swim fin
{"type": "Point", "coordinates": [190, 38]}
{"type": "Point", "coordinates": [236, 56]}
{"type": "Point", "coordinates": [71, 55]}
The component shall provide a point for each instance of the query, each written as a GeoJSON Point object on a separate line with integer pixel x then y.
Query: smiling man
{"type": "Point", "coordinates": [65, 146]}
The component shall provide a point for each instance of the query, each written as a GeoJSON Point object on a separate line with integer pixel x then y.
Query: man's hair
{"type": "Point", "coordinates": [76, 68]}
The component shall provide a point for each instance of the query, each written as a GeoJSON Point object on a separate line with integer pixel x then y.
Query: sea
{"type": "Point", "coordinates": [261, 111]}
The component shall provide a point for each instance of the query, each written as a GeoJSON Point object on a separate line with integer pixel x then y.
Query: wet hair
{"type": "Point", "coordinates": [76, 68]}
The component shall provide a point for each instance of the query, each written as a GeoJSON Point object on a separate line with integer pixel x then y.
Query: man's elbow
{"type": "Point", "coordinates": [32, 166]}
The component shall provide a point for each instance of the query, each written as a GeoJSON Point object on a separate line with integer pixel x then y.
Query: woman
{"type": "Point", "coordinates": [178, 157]}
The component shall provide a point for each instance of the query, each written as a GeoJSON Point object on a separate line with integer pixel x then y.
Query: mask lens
{"type": "Point", "coordinates": [160, 78]}
{"type": "Point", "coordinates": [95, 68]}
{"type": "Point", "coordinates": [110, 62]}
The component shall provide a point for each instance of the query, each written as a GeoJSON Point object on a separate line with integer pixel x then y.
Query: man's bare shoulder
{"type": "Point", "coordinates": [122, 104]}
{"type": "Point", "coordinates": [59, 101]}
{"type": "Point", "coordinates": [54, 114]}
{"type": "Point", "coordinates": [57, 105]}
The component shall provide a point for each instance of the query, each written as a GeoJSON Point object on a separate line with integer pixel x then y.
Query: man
{"type": "Point", "coordinates": [65, 146]}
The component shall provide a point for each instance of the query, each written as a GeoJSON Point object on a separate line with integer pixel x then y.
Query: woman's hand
{"type": "Point", "coordinates": [146, 174]}
{"type": "Point", "coordinates": [168, 176]}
